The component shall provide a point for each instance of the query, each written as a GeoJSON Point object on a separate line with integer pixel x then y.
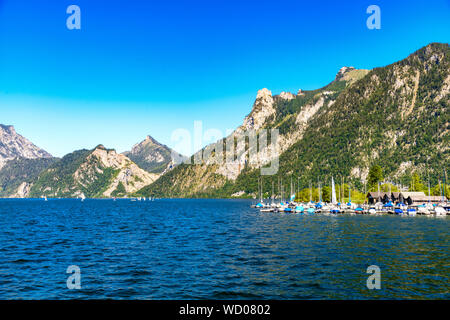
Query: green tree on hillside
{"type": "Point", "coordinates": [437, 191]}
{"type": "Point", "coordinates": [326, 194]}
{"type": "Point", "coordinates": [375, 176]}
{"type": "Point", "coordinates": [417, 184]}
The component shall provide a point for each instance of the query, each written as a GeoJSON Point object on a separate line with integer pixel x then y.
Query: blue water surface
{"type": "Point", "coordinates": [214, 249]}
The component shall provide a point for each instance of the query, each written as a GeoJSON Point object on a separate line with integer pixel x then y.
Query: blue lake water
{"type": "Point", "coordinates": [215, 249]}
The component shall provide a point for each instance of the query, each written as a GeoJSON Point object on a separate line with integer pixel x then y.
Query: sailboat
{"type": "Point", "coordinates": [334, 208]}
{"type": "Point", "coordinates": [333, 192]}
{"type": "Point", "coordinates": [273, 204]}
{"type": "Point", "coordinates": [260, 191]}
{"type": "Point", "coordinates": [350, 205]}
{"type": "Point", "coordinates": [319, 205]}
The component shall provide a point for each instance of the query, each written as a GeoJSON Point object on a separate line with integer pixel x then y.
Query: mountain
{"type": "Point", "coordinates": [153, 156]}
{"type": "Point", "coordinates": [93, 173]}
{"type": "Point", "coordinates": [396, 116]}
{"type": "Point", "coordinates": [13, 146]}
{"type": "Point", "coordinates": [17, 175]}
{"type": "Point", "coordinates": [20, 162]}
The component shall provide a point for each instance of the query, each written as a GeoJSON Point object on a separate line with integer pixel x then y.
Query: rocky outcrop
{"type": "Point", "coordinates": [127, 173]}
{"type": "Point", "coordinates": [286, 96]}
{"type": "Point", "coordinates": [262, 109]}
{"type": "Point", "coordinates": [13, 146]}
{"type": "Point", "coordinates": [22, 191]}
{"type": "Point", "coordinates": [350, 75]}
{"type": "Point", "coordinates": [153, 156]}
{"type": "Point", "coordinates": [97, 173]}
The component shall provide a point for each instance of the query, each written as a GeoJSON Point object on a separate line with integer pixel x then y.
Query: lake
{"type": "Point", "coordinates": [215, 249]}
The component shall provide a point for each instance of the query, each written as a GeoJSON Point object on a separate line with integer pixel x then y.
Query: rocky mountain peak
{"type": "Point", "coordinates": [5, 129]}
{"type": "Point", "coordinates": [262, 109]}
{"type": "Point", "coordinates": [13, 146]}
{"type": "Point", "coordinates": [286, 95]}
{"type": "Point", "coordinates": [100, 147]}
{"type": "Point", "coordinates": [153, 156]}
{"type": "Point", "coordinates": [149, 140]}
{"type": "Point", "coordinates": [264, 93]}
{"type": "Point", "coordinates": [343, 71]}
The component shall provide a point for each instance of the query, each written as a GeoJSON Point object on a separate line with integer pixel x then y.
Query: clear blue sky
{"type": "Point", "coordinates": [150, 67]}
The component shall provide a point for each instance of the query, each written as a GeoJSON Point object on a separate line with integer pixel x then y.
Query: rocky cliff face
{"type": "Point", "coordinates": [17, 175]}
{"type": "Point", "coordinates": [97, 173]}
{"type": "Point", "coordinates": [153, 156]}
{"type": "Point", "coordinates": [396, 116]}
{"type": "Point", "coordinates": [20, 163]}
{"type": "Point", "coordinates": [13, 146]}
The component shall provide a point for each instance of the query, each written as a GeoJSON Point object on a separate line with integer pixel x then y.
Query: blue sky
{"type": "Point", "coordinates": [150, 67]}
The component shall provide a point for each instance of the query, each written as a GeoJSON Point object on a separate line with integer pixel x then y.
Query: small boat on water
{"type": "Point", "coordinates": [411, 212]}
{"type": "Point", "coordinates": [359, 210]}
{"type": "Point", "coordinates": [422, 209]}
{"type": "Point", "coordinates": [389, 207]}
{"type": "Point", "coordinates": [335, 210]}
{"type": "Point", "coordinates": [299, 209]}
{"type": "Point", "coordinates": [287, 210]}
{"type": "Point", "coordinates": [440, 211]}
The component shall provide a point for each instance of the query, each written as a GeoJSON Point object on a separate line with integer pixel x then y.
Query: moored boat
{"type": "Point", "coordinates": [299, 209]}
{"type": "Point", "coordinates": [440, 211]}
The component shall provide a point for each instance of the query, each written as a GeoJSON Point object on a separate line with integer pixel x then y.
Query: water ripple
{"type": "Point", "coordinates": [214, 249]}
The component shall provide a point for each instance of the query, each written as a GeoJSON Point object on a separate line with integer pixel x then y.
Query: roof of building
{"type": "Point", "coordinates": [376, 194]}
{"type": "Point", "coordinates": [429, 198]}
{"type": "Point", "coordinates": [413, 195]}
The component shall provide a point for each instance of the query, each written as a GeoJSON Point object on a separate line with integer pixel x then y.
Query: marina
{"type": "Point", "coordinates": [377, 203]}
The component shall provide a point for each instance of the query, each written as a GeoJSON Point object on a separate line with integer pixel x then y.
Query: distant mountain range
{"type": "Point", "coordinates": [153, 156]}
{"type": "Point", "coordinates": [91, 173]}
{"type": "Point", "coordinates": [396, 116]}
{"type": "Point", "coordinates": [28, 171]}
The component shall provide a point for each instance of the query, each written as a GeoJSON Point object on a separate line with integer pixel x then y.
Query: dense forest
{"type": "Point", "coordinates": [20, 170]}
{"type": "Point", "coordinates": [397, 117]}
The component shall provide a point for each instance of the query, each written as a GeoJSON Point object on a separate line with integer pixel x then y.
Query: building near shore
{"type": "Point", "coordinates": [374, 197]}
{"type": "Point", "coordinates": [417, 198]}
{"type": "Point", "coordinates": [409, 198]}
{"type": "Point", "coordinates": [413, 198]}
